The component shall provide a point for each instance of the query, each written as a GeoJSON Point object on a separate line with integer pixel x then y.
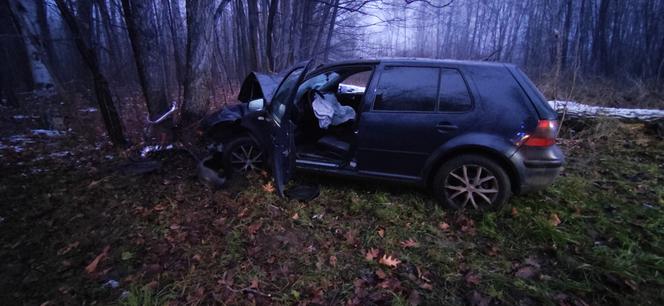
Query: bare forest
{"type": "Point", "coordinates": [199, 52]}
{"type": "Point", "coordinates": [102, 104]}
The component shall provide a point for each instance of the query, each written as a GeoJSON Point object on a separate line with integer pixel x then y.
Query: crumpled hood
{"type": "Point", "coordinates": [259, 85]}
{"type": "Point", "coordinates": [226, 114]}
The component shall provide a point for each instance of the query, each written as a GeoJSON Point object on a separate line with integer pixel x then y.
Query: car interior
{"type": "Point", "coordinates": [338, 94]}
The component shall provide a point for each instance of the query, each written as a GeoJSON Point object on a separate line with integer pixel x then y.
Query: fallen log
{"type": "Point", "coordinates": [573, 109]}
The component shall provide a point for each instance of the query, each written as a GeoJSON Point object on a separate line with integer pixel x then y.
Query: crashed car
{"type": "Point", "coordinates": [473, 132]}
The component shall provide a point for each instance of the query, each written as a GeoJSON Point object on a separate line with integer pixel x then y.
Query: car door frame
{"type": "Point", "coordinates": [280, 134]}
{"type": "Point", "coordinates": [370, 100]}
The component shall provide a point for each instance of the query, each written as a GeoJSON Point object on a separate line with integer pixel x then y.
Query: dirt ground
{"type": "Point", "coordinates": [77, 228]}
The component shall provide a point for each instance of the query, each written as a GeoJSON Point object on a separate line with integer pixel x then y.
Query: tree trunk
{"type": "Point", "coordinates": [200, 24]}
{"type": "Point", "coordinates": [104, 99]}
{"type": "Point", "coordinates": [330, 31]}
{"type": "Point", "coordinates": [254, 59]}
{"type": "Point", "coordinates": [566, 33]}
{"type": "Point", "coordinates": [143, 37]}
{"type": "Point", "coordinates": [274, 4]}
{"type": "Point", "coordinates": [175, 26]}
{"type": "Point", "coordinates": [23, 13]}
{"type": "Point", "coordinates": [600, 43]}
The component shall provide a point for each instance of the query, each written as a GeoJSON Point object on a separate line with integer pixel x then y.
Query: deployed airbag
{"type": "Point", "coordinates": [329, 111]}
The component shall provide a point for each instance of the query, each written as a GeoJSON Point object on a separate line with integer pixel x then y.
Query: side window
{"type": "Point", "coordinates": [407, 89]}
{"type": "Point", "coordinates": [454, 96]}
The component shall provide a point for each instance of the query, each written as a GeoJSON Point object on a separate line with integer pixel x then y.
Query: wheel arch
{"type": "Point", "coordinates": [484, 151]}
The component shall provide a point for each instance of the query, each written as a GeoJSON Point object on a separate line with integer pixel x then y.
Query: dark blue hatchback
{"type": "Point", "coordinates": [474, 132]}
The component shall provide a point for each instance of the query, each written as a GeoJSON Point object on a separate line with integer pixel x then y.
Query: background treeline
{"type": "Point", "coordinates": [197, 50]}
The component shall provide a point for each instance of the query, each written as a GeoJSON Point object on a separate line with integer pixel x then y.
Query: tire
{"type": "Point", "coordinates": [491, 194]}
{"type": "Point", "coordinates": [241, 149]}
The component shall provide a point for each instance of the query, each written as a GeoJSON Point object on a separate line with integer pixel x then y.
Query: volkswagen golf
{"type": "Point", "coordinates": [473, 132]}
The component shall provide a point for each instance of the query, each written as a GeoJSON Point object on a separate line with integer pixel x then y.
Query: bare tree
{"type": "Point", "coordinates": [103, 93]}
{"type": "Point", "coordinates": [200, 24]}
{"type": "Point", "coordinates": [146, 47]}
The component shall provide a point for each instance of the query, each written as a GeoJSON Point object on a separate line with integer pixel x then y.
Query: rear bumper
{"type": "Point", "coordinates": [537, 167]}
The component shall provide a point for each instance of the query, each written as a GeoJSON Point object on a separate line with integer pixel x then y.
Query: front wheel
{"type": "Point", "coordinates": [472, 182]}
{"type": "Point", "coordinates": [243, 155]}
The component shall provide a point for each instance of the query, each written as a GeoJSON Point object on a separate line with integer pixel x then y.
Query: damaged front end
{"type": "Point", "coordinates": [224, 125]}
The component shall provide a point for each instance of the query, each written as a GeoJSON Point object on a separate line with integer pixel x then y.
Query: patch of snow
{"type": "Point", "coordinates": [36, 170]}
{"type": "Point", "coordinates": [88, 110]}
{"type": "Point", "coordinates": [345, 88]}
{"type": "Point", "coordinates": [60, 154]}
{"type": "Point", "coordinates": [16, 148]}
{"type": "Point", "coordinates": [584, 110]}
{"type": "Point", "coordinates": [48, 133]}
{"type": "Point", "coordinates": [25, 117]}
{"type": "Point", "coordinates": [111, 283]}
{"type": "Point", "coordinates": [147, 150]}
{"type": "Point", "coordinates": [20, 139]}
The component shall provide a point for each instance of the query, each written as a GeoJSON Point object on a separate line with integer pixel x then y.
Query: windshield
{"type": "Point", "coordinates": [280, 100]}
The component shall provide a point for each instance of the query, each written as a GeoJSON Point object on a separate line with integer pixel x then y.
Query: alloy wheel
{"type": "Point", "coordinates": [246, 157]}
{"type": "Point", "coordinates": [471, 184]}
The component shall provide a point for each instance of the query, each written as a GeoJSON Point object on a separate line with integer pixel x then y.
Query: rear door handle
{"type": "Point", "coordinates": [445, 127]}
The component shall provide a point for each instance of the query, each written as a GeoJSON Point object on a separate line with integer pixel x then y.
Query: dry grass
{"type": "Point", "coordinates": [629, 93]}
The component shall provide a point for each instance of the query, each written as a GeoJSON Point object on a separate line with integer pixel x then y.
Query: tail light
{"type": "Point", "coordinates": [544, 134]}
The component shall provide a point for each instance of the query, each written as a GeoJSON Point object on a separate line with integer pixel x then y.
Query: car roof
{"type": "Point", "coordinates": [414, 60]}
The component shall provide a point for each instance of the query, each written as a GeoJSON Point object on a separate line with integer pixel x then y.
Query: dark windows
{"type": "Point", "coordinates": [454, 94]}
{"type": "Point", "coordinates": [407, 89]}
{"type": "Point", "coordinates": [402, 88]}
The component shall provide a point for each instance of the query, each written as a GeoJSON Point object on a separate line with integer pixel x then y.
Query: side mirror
{"type": "Point", "coordinates": [256, 105]}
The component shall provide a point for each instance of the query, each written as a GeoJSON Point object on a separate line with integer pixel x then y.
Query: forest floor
{"type": "Point", "coordinates": [77, 230]}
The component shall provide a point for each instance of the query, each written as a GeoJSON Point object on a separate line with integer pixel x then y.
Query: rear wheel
{"type": "Point", "coordinates": [243, 155]}
{"type": "Point", "coordinates": [472, 182]}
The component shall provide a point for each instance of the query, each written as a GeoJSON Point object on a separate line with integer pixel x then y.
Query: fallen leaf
{"type": "Point", "coordinates": [493, 251]}
{"type": "Point", "coordinates": [472, 278]}
{"type": "Point", "coordinates": [350, 237]}
{"type": "Point", "coordinates": [444, 226]}
{"type": "Point", "coordinates": [467, 226]}
{"type": "Point", "coordinates": [389, 261]}
{"type": "Point", "coordinates": [295, 216]}
{"type": "Point", "coordinates": [554, 220]}
{"type": "Point", "coordinates": [371, 254]}
{"type": "Point", "coordinates": [381, 274]}
{"type": "Point", "coordinates": [254, 283]}
{"type": "Point", "coordinates": [390, 283]}
{"type": "Point", "coordinates": [253, 229]}
{"type": "Point", "coordinates": [92, 266]}
{"type": "Point", "coordinates": [174, 226]}
{"type": "Point", "coordinates": [333, 261]}
{"type": "Point", "coordinates": [68, 248]}
{"type": "Point", "coordinates": [410, 243]}
{"type": "Point", "coordinates": [526, 272]}
{"type": "Point", "coordinates": [269, 188]}
{"type": "Point", "coordinates": [381, 232]}
{"type": "Point", "coordinates": [533, 261]}
{"type": "Point", "coordinates": [126, 255]}
{"type": "Point", "coordinates": [426, 286]}
{"type": "Point", "coordinates": [632, 284]}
